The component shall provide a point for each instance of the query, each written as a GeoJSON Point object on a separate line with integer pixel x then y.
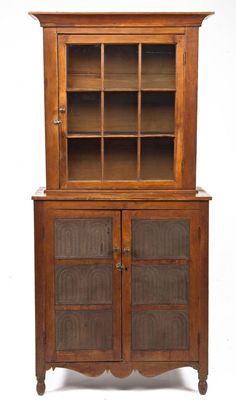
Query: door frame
{"type": "Point", "coordinates": [79, 39]}
{"type": "Point", "coordinates": [50, 314]}
{"type": "Point", "coordinates": [174, 355]}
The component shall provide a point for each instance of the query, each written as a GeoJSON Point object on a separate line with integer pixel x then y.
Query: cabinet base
{"type": "Point", "coordinates": [122, 370]}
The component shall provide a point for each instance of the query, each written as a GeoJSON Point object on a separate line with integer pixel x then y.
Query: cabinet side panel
{"type": "Point", "coordinates": [203, 347]}
{"type": "Point", "coordinates": [190, 108]}
{"type": "Point", "coordinates": [39, 290]}
{"type": "Point", "coordinates": [51, 107]}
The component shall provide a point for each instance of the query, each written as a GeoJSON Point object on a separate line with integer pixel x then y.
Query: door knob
{"type": "Point", "coordinates": [57, 121]}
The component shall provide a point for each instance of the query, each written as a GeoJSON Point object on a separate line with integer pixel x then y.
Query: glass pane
{"type": "Point", "coordinates": [158, 67]}
{"type": "Point", "coordinates": [120, 115]}
{"type": "Point", "coordinates": [84, 159]}
{"type": "Point", "coordinates": [84, 113]}
{"type": "Point", "coordinates": [120, 159]}
{"type": "Point", "coordinates": [84, 67]}
{"type": "Point", "coordinates": [157, 158]}
{"type": "Point", "coordinates": [121, 67]}
{"type": "Point", "coordinates": [158, 113]}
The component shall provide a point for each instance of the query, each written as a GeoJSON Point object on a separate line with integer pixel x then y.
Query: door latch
{"type": "Point", "coordinates": [119, 266]}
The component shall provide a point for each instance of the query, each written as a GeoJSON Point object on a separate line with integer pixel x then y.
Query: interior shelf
{"type": "Point", "coordinates": [158, 113]}
{"type": "Point", "coordinates": [120, 67]}
{"type": "Point", "coordinates": [84, 112]}
{"type": "Point", "coordinates": [157, 156]}
{"type": "Point", "coordinates": [84, 67]}
{"type": "Point", "coordinates": [120, 113]}
{"type": "Point", "coordinates": [158, 67]}
{"type": "Point", "coordinates": [171, 135]}
{"type": "Point", "coordinates": [110, 135]}
{"type": "Point", "coordinates": [120, 159]}
{"type": "Point", "coordinates": [84, 159]}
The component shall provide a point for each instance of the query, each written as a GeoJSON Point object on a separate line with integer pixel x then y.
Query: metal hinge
{"type": "Point", "coordinates": [184, 57]}
{"type": "Point", "coordinates": [199, 233]}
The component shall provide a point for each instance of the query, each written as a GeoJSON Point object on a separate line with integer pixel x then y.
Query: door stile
{"type": "Point", "coordinates": [116, 292]}
{"type": "Point", "coordinates": [126, 285]}
{"type": "Point", "coordinates": [62, 110]}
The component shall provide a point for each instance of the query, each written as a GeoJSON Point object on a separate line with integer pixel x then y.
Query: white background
{"type": "Point", "coordinates": [23, 170]}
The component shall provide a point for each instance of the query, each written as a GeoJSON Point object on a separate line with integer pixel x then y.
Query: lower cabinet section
{"type": "Point", "coordinates": [121, 289]}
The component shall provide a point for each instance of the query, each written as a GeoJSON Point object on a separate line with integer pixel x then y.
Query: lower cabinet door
{"type": "Point", "coordinates": [83, 289]}
{"type": "Point", "coordinates": [160, 285]}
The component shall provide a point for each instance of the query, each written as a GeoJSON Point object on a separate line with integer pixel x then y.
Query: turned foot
{"type": "Point", "coordinates": [202, 386]}
{"type": "Point", "coordinates": [40, 386]}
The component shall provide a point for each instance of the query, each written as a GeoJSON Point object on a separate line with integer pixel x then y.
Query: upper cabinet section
{"type": "Point", "coordinates": [120, 99]}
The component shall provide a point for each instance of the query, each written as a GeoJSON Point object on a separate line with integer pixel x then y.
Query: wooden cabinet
{"type": "Point", "coordinates": [121, 231]}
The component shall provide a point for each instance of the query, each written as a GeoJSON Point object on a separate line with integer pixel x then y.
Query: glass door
{"type": "Point", "coordinates": [120, 101]}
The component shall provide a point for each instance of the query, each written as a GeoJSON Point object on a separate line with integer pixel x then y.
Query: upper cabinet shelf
{"type": "Point", "coordinates": [84, 68]}
{"type": "Point", "coordinates": [158, 67]}
{"type": "Point", "coordinates": [121, 99]}
{"type": "Point", "coordinates": [121, 67]}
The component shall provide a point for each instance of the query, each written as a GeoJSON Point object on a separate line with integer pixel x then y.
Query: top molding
{"type": "Point", "coordinates": [62, 19]}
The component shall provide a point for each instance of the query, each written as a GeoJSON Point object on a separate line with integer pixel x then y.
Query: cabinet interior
{"type": "Point", "coordinates": [121, 112]}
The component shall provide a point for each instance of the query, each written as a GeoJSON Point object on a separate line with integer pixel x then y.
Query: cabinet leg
{"type": "Point", "coordinates": [202, 384]}
{"type": "Point", "coordinates": [40, 387]}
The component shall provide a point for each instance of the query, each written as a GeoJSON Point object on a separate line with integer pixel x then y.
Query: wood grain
{"type": "Point", "coordinates": [51, 107]}
{"type": "Point", "coordinates": [190, 108]}
{"type": "Point", "coordinates": [40, 367]}
{"type": "Point", "coordinates": [62, 19]}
